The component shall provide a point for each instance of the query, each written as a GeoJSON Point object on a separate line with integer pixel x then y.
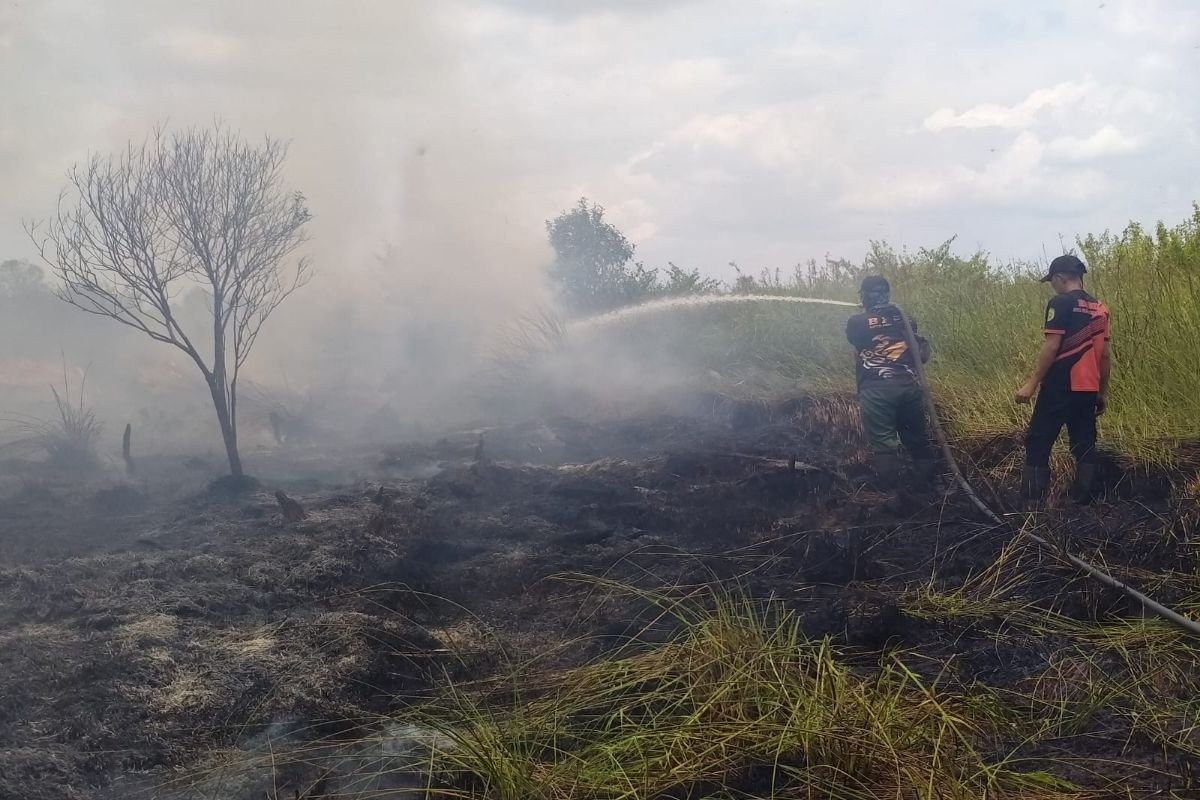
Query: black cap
{"type": "Point", "coordinates": [873, 284]}
{"type": "Point", "coordinates": [1065, 264]}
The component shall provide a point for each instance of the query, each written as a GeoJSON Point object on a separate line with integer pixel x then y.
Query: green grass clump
{"type": "Point", "coordinates": [739, 704]}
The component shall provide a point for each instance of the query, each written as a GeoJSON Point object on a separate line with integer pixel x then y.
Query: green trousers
{"type": "Point", "coordinates": [895, 416]}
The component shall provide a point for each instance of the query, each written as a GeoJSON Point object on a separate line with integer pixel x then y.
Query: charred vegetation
{"type": "Point", "coordinates": [674, 551]}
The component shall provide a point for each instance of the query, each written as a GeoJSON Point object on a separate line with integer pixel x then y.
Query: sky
{"type": "Point", "coordinates": [765, 132]}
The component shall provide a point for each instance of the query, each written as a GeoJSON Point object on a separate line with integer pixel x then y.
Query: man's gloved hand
{"type": "Point", "coordinates": [923, 349]}
{"type": "Point", "coordinates": [1101, 403]}
{"type": "Point", "coordinates": [1026, 393]}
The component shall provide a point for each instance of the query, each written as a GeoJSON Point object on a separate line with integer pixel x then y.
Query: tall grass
{"type": "Point", "coordinates": [1151, 282]}
{"type": "Point", "coordinates": [985, 321]}
{"type": "Point", "coordinates": [739, 704]}
{"type": "Point", "coordinates": [69, 438]}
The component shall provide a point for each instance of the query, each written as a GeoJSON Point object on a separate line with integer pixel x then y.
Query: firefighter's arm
{"type": "Point", "coordinates": [853, 335]}
{"type": "Point", "coordinates": [1045, 359]}
{"type": "Point", "coordinates": [923, 348]}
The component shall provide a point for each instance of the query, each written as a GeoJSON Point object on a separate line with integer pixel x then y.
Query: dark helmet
{"type": "Point", "coordinates": [874, 284]}
{"type": "Point", "coordinates": [875, 291]}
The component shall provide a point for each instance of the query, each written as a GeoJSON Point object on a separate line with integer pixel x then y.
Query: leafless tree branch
{"type": "Point", "coordinates": [201, 208]}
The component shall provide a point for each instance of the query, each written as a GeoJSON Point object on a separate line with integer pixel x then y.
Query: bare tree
{"type": "Point", "coordinates": [201, 207]}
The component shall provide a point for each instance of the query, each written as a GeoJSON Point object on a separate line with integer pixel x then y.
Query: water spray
{"type": "Point", "coordinates": [1186, 623]}
{"type": "Point", "coordinates": [693, 302]}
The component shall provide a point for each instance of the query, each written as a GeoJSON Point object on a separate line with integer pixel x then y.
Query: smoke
{"type": "Point", "coordinates": [426, 246]}
{"type": "Point", "coordinates": [422, 242]}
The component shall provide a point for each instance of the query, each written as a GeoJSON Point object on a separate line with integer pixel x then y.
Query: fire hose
{"type": "Point", "coordinates": [1186, 623]}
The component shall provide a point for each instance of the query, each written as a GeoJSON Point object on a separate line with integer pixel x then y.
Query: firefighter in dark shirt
{"type": "Point", "coordinates": [1072, 373]}
{"type": "Point", "coordinates": [889, 395]}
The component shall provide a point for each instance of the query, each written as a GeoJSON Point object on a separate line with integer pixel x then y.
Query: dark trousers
{"type": "Point", "coordinates": [1053, 409]}
{"type": "Point", "coordinates": [895, 415]}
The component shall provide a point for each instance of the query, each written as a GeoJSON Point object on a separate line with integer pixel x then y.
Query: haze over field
{"type": "Point", "coordinates": [433, 139]}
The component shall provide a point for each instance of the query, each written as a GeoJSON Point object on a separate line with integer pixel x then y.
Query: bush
{"type": "Point", "coordinates": [594, 270]}
{"type": "Point", "coordinates": [68, 439]}
{"type": "Point", "coordinates": [592, 262]}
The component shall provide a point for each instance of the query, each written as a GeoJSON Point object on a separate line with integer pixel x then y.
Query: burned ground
{"type": "Point", "coordinates": [148, 626]}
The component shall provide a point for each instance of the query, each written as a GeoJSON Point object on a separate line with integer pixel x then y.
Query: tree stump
{"type": "Point", "coordinates": [292, 511]}
{"type": "Point", "coordinates": [126, 448]}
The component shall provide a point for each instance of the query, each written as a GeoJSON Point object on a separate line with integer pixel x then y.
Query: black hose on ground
{"type": "Point", "coordinates": [1188, 624]}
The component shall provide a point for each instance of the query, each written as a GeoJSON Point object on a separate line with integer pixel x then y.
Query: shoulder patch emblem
{"type": "Point", "coordinates": [1050, 314]}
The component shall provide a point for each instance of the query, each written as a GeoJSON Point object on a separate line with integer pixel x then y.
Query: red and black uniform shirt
{"type": "Point", "coordinates": [1082, 321]}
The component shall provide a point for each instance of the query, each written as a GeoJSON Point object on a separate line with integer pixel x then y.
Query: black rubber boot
{"type": "Point", "coordinates": [887, 471]}
{"type": "Point", "coordinates": [1083, 488]}
{"type": "Point", "coordinates": [928, 477]}
{"type": "Point", "coordinates": [1035, 483]}
{"type": "Point", "coordinates": [887, 479]}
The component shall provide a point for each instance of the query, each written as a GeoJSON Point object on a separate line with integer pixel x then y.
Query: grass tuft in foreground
{"type": "Point", "coordinates": [739, 704]}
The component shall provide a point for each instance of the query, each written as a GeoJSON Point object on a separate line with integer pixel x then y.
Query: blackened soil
{"type": "Point", "coordinates": [206, 619]}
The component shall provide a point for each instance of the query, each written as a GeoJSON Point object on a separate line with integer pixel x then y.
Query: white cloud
{"type": "Point", "coordinates": [806, 49]}
{"type": "Point", "coordinates": [1021, 115]}
{"type": "Point", "coordinates": [711, 130]}
{"type": "Point", "coordinates": [636, 217]}
{"type": "Point", "coordinates": [693, 75]}
{"type": "Point", "coordinates": [712, 176]}
{"type": "Point", "coordinates": [1172, 22]}
{"type": "Point", "coordinates": [197, 46]}
{"type": "Point", "coordinates": [569, 9]}
{"type": "Point", "coordinates": [1108, 141]}
{"type": "Point", "coordinates": [772, 137]}
{"type": "Point", "coordinates": [1018, 174]}
{"type": "Point", "coordinates": [8, 25]}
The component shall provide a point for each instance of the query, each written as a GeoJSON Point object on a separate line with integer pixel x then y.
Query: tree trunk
{"type": "Point", "coordinates": [228, 428]}
{"type": "Point", "coordinates": [127, 448]}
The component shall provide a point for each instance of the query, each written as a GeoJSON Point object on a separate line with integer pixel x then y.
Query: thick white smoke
{"type": "Point", "coordinates": [421, 242]}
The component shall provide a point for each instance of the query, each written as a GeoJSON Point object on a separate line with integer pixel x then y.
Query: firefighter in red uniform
{"type": "Point", "coordinates": [1072, 372]}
